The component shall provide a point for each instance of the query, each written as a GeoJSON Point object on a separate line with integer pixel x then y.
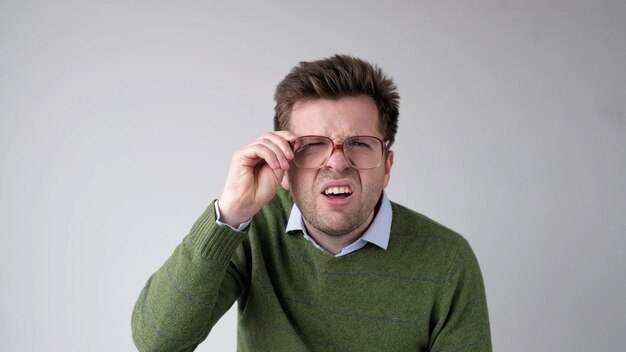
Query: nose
{"type": "Point", "coordinates": [337, 160]}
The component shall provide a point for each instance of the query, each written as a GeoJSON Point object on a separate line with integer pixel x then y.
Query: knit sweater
{"type": "Point", "coordinates": [423, 293]}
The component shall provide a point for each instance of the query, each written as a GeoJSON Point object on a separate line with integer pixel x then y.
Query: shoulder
{"type": "Point", "coordinates": [278, 206]}
{"type": "Point", "coordinates": [407, 222]}
{"type": "Point", "coordinates": [424, 240]}
{"type": "Point", "coordinates": [275, 214]}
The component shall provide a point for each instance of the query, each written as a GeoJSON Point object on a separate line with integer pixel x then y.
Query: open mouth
{"type": "Point", "coordinates": [337, 192]}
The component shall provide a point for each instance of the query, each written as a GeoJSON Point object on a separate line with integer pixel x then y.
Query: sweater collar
{"type": "Point", "coordinates": [377, 233]}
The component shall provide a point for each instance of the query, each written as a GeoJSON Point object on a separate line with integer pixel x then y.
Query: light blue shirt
{"type": "Point", "coordinates": [377, 233]}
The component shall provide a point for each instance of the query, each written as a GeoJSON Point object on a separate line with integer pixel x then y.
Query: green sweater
{"type": "Point", "coordinates": [424, 293]}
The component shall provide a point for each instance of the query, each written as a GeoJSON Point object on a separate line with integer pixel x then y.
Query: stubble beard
{"type": "Point", "coordinates": [341, 221]}
{"type": "Point", "coordinates": [345, 226]}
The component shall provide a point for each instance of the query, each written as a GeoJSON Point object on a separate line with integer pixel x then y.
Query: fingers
{"type": "Point", "coordinates": [260, 152]}
{"type": "Point", "coordinates": [279, 139]}
{"type": "Point", "coordinates": [273, 148]}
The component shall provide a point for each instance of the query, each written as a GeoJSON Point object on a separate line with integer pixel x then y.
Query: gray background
{"type": "Point", "coordinates": [118, 119]}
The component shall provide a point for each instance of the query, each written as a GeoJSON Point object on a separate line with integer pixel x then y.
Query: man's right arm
{"type": "Point", "coordinates": [182, 301]}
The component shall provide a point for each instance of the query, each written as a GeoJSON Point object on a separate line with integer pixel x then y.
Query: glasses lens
{"type": "Point", "coordinates": [311, 151]}
{"type": "Point", "coordinates": [363, 152]}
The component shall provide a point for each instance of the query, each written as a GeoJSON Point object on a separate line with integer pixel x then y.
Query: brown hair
{"type": "Point", "coordinates": [333, 78]}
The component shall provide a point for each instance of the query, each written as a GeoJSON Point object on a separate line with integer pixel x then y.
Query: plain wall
{"type": "Point", "coordinates": [118, 120]}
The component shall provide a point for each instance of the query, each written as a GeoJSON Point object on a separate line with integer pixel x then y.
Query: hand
{"type": "Point", "coordinates": [255, 173]}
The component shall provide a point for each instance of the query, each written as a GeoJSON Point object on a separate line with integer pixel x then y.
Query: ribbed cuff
{"type": "Point", "coordinates": [212, 241]}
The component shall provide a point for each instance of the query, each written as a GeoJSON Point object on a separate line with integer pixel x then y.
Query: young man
{"type": "Point", "coordinates": [326, 262]}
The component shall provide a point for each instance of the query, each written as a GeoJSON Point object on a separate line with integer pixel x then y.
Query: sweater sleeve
{"type": "Point", "coordinates": [461, 321]}
{"type": "Point", "coordinates": [182, 301]}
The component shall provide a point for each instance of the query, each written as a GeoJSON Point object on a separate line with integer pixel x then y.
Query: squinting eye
{"type": "Point", "coordinates": [304, 147]}
{"type": "Point", "coordinates": [358, 144]}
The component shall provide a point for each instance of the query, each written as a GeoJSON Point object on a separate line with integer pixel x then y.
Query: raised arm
{"type": "Point", "coordinates": [182, 301]}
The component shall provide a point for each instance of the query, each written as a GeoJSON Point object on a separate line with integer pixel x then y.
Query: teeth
{"type": "Point", "coordinates": [337, 190]}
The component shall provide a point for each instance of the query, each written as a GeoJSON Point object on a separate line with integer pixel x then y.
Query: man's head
{"type": "Point", "coordinates": [338, 99]}
{"type": "Point", "coordinates": [334, 78]}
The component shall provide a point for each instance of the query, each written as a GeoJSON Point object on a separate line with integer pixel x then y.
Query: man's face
{"type": "Point", "coordinates": [338, 120]}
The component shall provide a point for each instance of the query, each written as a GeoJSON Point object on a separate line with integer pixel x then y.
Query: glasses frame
{"type": "Point", "coordinates": [341, 146]}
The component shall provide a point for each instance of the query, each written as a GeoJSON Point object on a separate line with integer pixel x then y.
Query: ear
{"type": "Point", "coordinates": [285, 181]}
{"type": "Point", "coordinates": [388, 165]}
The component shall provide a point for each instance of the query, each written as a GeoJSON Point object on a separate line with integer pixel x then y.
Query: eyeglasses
{"type": "Point", "coordinates": [361, 152]}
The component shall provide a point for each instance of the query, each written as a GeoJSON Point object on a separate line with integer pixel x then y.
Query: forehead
{"type": "Point", "coordinates": [336, 118]}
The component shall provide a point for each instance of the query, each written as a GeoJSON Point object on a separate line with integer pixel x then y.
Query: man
{"type": "Point", "coordinates": [326, 262]}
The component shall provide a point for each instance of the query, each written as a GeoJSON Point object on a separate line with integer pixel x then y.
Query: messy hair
{"type": "Point", "coordinates": [337, 77]}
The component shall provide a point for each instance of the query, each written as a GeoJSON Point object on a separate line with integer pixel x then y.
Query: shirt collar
{"type": "Point", "coordinates": [377, 233]}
